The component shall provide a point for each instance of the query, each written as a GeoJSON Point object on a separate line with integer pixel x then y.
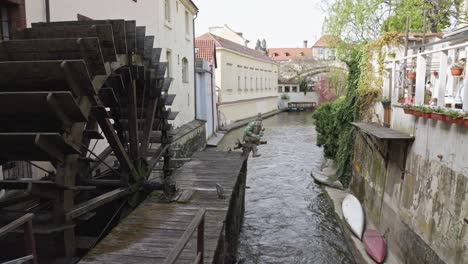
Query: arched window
{"type": "Point", "coordinates": [185, 77]}
{"type": "Point", "coordinates": [287, 54]}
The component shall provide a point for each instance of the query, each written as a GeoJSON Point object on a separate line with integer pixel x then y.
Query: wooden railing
{"type": "Point", "coordinates": [26, 222]}
{"type": "Point", "coordinates": [198, 221]}
{"type": "Point", "coordinates": [441, 56]}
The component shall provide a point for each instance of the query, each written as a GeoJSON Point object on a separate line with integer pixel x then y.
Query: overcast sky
{"type": "Point", "coordinates": [283, 23]}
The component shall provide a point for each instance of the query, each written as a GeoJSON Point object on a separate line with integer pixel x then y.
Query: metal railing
{"type": "Point", "coordinates": [198, 222]}
{"type": "Point", "coordinates": [26, 222]}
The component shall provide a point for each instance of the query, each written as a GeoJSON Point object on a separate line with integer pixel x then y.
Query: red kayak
{"type": "Point", "coordinates": [375, 245]}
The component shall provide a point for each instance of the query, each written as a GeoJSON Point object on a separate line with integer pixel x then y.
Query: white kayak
{"type": "Point", "coordinates": [353, 214]}
{"type": "Point", "coordinates": [324, 179]}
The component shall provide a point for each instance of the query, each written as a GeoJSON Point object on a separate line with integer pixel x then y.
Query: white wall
{"type": "Point", "coordinates": [207, 98]}
{"type": "Point", "coordinates": [297, 96]}
{"type": "Point", "coordinates": [227, 33]}
{"type": "Point", "coordinates": [170, 36]}
{"type": "Point", "coordinates": [261, 85]}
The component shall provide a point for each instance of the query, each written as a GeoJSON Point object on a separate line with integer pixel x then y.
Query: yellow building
{"type": "Point", "coordinates": [246, 80]}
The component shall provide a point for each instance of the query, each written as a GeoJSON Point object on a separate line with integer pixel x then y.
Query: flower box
{"type": "Point", "coordinates": [438, 116]}
{"type": "Point", "coordinates": [418, 113]}
{"type": "Point", "coordinates": [457, 121]}
{"type": "Point", "coordinates": [408, 111]}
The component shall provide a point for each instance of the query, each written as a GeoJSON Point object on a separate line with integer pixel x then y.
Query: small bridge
{"type": "Point", "coordinates": [302, 106]}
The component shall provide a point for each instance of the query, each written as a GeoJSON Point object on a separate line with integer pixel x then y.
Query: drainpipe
{"type": "Point", "coordinates": [213, 91]}
{"type": "Point", "coordinates": [194, 70]}
{"type": "Point", "coordinates": [47, 10]}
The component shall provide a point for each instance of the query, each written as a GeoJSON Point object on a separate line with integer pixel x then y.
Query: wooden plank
{"type": "Point", "coordinates": [35, 146]}
{"type": "Point", "coordinates": [155, 56]}
{"type": "Point", "coordinates": [108, 97]}
{"type": "Point", "coordinates": [86, 49]}
{"type": "Point", "coordinates": [15, 224]}
{"type": "Point", "coordinates": [12, 105]}
{"type": "Point", "coordinates": [102, 32]}
{"type": "Point", "coordinates": [118, 30]}
{"type": "Point", "coordinates": [41, 75]}
{"type": "Point", "coordinates": [140, 40]}
{"type": "Point", "coordinates": [382, 132]}
{"type": "Point", "coordinates": [199, 218]}
{"type": "Point", "coordinates": [130, 30]}
{"type": "Point", "coordinates": [148, 49]}
{"type": "Point", "coordinates": [21, 260]}
{"type": "Point", "coordinates": [94, 203]}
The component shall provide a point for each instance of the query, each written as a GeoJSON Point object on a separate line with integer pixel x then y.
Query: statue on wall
{"type": "Point", "coordinates": [253, 133]}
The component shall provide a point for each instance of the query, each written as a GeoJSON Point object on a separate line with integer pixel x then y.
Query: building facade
{"type": "Point", "coordinates": [325, 48]}
{"type": "Point", "coordinates": [170, 21]}
{"type": "Point", "coordinates": [207, 97]}
{"type": "Point", "coordinates": [246, 80]}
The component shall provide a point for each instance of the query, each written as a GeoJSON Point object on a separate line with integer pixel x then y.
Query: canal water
{"type": "Point", "coordinates": [288, 218]}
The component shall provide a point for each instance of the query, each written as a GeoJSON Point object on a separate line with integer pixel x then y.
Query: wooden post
{"type": "Point", "coordinates": [420, 80]}
{"type": "Point", "coordinates": [465, 85]}
{"type": "Point", "coordinates": [442, 78]}
{"type": "Point", "coordinates": [30, 244]}
{"type": "Point", "coordinates": [201, 239]}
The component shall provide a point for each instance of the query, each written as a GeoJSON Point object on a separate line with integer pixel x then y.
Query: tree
{"type": "Point", "coordinates": [364, 20]}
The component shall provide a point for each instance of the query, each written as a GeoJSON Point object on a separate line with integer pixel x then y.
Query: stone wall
{"type": "Point", "coordinates": [187, 140]}
{"type": "Point", "coordinates": [226, 252]}
{"type": "Point", "coordinates": [421, 204]}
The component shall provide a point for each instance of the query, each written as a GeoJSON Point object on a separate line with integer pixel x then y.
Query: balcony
{"type": "Point", "coordinates": [426, 80]}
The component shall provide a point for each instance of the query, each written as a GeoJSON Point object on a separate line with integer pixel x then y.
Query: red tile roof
{"type": "Point", "coordinates": [284, 54]}
{"type": "Point", "coordinates": [232, 46]}
{"type": "Point", "coordinates": [206, 49]}
{"type": "Point", "coordinates": [327, 41]}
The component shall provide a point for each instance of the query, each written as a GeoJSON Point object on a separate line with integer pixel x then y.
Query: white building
{"type": "Point", "coordinates": [246, 79]}
{"type": "Point", "coordinates": [229, 34]}
{"type": "Point", "coordinates": [325, 48]}
{"type": "Point", "coordinates": [170, 21]}
{"type": "Point", "coordinates": [205, 79]}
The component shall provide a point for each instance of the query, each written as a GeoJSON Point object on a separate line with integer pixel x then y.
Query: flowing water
{"type": "Point", "coordinates": [288, 218]}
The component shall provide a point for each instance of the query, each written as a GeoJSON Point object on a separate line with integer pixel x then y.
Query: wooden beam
{"type": "Point", "coordinates": [94, 203]}
{"type": "Point", "coordinates": [15, 224]}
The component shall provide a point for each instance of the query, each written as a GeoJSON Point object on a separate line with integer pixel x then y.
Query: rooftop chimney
{"type": "Point", "coordinates": [305, 44]}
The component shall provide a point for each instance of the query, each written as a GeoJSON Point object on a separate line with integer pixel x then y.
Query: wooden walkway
{"type": "Point", "coordinates": [150, 232]}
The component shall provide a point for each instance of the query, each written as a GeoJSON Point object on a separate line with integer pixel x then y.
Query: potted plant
{"type": "Point", "coordinates": [385, 102]}
{"type": "Point", "coordinates": [285, 97]}
{"type": "Point", "coordinates": [412, 73]}
{"type": "Point", "coordinates": [456, 69]}
{"type": "Point", "coordinates": [438, 114]}
{"type": "Point", "coordinates": [391, 54]}
{"type": "Point", "coordinates": [455, 117]}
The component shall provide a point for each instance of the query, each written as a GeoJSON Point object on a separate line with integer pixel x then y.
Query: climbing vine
{"type": "Point", "coordinates": [333, 119]}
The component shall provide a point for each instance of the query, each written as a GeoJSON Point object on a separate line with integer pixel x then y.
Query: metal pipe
{"type": "Point", "coordinates": [194, 69]}
{"type": "Point", "coordinates": [213, 91]}
{"type": "Point", "coordinates": [47, 10]}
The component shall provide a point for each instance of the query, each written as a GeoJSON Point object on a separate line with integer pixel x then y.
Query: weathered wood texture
{"type": "Point", "coordinates": [382, 132]}
{"type": "Point", "coordinates": [150, 233]}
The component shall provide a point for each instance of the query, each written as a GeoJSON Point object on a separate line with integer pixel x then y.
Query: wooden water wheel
{"type": "Point", "coordinates": [65, 86]}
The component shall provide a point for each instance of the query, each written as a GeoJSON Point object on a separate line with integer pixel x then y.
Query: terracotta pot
{"type": "Point", "coordinates": [426, 115]}
{"type": "Point", "coordinates": [438, 116]}
{"type": "Point", "coordinates": [458, 121]}
{"type": "Point", "coordinates": [412, 75]}
{"type": "Point", "coordinates": [408, 111]}
{"type": "Point", "coordinates": [418, 113]}
{"type": "Point", "coordinates": [456, 71]}
{"type": "Point", "coordinates": [466, 121]}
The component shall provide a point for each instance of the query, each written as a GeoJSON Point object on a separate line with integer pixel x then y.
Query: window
{"type": "Point", "coordinates": [256, 83]}
{"type": "Point", "coordinates": [238, 83]}
{"type": "Point", "coordinates": [294, 89]}
{"type": "Point", "coordinates": [287, 54]}
{"type": "Point", "coordinates": [261, 83]}
{"type": "Point", "coordinates": [187, 23]}
{"type": "Point", "coordinates": [302, 54]}
{"type": "Point", "coordinates": [275, 54]}
{"type": "Point", "coordinates": [185, 72]}
{"type": "Point", "coordinates": [251, 83]}
{"type": "Point", "coordinates": [280, 89]}
{"type": "Point", "coordinates": [287, 89]}
{"type": "Point", "coordinates": [4, 23]}
{"type": "Point", "coordinates": [167, 10]}
{"type": "Point", "coordinates": [169, 63]}
{"type": "Point", "coordinates": [245, 83]}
